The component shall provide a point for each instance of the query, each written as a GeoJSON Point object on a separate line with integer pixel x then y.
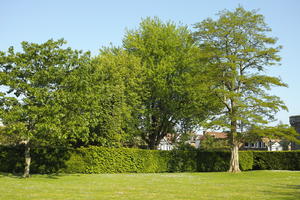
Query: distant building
{"type": "Point", "coordinates": [166, 143]}
{"type": "Point", "coordinates": [217, 135]}
{"type": "Point", "coordinates": [295, 122]}
{"type": "Point", "coordinates": [264, 144]}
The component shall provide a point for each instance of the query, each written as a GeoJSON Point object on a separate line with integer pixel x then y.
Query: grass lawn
{"type": "Point", "coordinates": [283, 185]}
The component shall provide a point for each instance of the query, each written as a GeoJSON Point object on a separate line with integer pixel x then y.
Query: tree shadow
{"type": "Point", "coordinates": [19, 175]}
{"type": "Point", "coordinates": [285, 192]}
{"type": "Point", "coordinates": [10, 175]}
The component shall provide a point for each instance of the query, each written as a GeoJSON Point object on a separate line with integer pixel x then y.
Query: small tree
{"type": "Point", "coordinates": [30, 107]}
{"type": "Point", "coordinates": [239, 51]}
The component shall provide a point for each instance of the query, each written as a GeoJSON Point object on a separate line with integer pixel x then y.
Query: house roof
{"type": "Point", "coordinates": [218, 135]}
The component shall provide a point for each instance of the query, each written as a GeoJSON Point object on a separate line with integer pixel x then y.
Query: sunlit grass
{"type": "Point", "coordinates": [283, 185]}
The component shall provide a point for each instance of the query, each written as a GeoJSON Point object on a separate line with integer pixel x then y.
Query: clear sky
{"type": "Point", "coordinates": [91, 24]}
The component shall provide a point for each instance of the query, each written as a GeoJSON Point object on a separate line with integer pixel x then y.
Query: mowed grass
{"type": "Point", "coordinates": [281, 185]}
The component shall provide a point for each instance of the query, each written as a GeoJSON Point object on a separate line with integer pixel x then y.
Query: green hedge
{"type": "Point", "coordinates": [97, 160]}
{"type": "Point", "coordinates": [106, 160]}
{"type": "Point", "coordinates": [122, 160]}
{"type": "Point", "coordinates": [276, 160]}
{"type": "Point", "coordinates": [11, 159]}
{"type": "Point", "coordinates": [216, 161]}
{"type": "Point", "coordinates": [43, 160]}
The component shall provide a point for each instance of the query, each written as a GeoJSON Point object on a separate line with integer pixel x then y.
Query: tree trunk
{"type": "Point", "coordinates": [27, 160]}
{"type": "Point", "coordinates": [234, 161]}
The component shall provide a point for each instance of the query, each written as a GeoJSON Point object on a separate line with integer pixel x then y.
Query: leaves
{"type": "Point", "coordinates": [239, 50]}
{"type": "Point", "coordinates": [175, 94]}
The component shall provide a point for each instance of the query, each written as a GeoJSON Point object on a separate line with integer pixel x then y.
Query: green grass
{"type": "Point", "coordinates": [283, 185]}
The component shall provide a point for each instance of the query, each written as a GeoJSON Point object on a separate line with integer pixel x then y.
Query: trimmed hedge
{"type": "Point", "coordinates": [106, 160]}
{"type": "Point", "coordinates": [216, 161]}
{"type": "Point", "coordinates": [97, 160]}
{"type": "Point", "coordinates": [43, 160]}
{"type": "Point", "coordinates": [276, 160]}
{"type": "Point", "coordinates": [123, 160]}
{"type": "Point", "coordinates": [11, 159]}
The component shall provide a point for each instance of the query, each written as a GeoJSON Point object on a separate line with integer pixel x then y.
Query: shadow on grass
{"type": "Point", "coordinates": [10, 175]}
{"type": "Point", "coordinates": [285, 192]}
{"type": "Point", "coordinates": [19, 176]}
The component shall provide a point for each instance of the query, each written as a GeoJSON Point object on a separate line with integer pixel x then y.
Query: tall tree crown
{"type": "Point", "coordinates": [240, 50]}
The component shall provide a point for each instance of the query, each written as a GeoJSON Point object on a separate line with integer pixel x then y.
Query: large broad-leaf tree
{"type": "Point", "coordinates": [175, 93]}
{"type": "Point", "coordinates": [239, 48]}
{"type": "Point", "coordinates": [30, 104]}
{"type": "Point", "coordinates": [102, 99]}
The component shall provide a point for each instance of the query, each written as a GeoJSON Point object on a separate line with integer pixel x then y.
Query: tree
{"type": "Point", "coordinates": [211, 143]}
{"type": "Point", "coordinates": [239, 50]}
{"type": "Point", "coordinates": [280, 132]}
{"type": "Point", "coordinates": [30, 107]}
{"type": "Point", "coordinates": [175, 95]}
{"type": "Point", "coordinates": [102, 99]}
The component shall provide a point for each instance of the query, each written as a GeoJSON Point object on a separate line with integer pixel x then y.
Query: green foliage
{"type": "Point", "coordinates": [113, 160]}
{"type": "Point", "coordinates": [211, 143]}
{"type": "Point", "coordinates": [30, 107]}
{"type": "Point", "coordinates": [11, 159]}
{"type": "Point", "coordinates": [123, 160]}
{"type": "Point", "coordinates": [239, 49]}
{"type": "Point", "coordinates": [101, 99]}
{"type": "Point", "coordinates": [214, 161]}
{"type": "Point", "coordinates": [49, 160]}
{"type": "Point", "coordinates": [246, 160]}
{"type": "Point", "coordinates": [183, 161]}
{"type": "Point", "coordinates": [176, 95]}
{"type": "Point", "coordinates": [281, 131]}
{"type": "Point", "coordinates": [276, 160]}
{"type": "Point", "coordinates": [44, 159]}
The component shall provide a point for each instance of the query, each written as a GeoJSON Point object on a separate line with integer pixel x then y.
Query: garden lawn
{"type": "Point", "coordinates": [283, 185]}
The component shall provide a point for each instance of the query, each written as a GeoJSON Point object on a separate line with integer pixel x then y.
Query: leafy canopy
{"type": "Point", "coordinates": [240, 49]}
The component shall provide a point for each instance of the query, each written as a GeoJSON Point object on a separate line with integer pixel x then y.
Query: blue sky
{"type": "Point", "coordinates": [91, 24]}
